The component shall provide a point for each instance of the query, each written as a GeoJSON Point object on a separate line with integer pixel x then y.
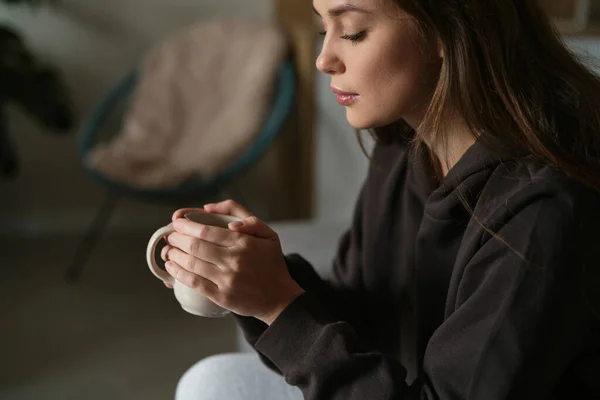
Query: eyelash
{"type": "Point", "coordinates": [357, 37]}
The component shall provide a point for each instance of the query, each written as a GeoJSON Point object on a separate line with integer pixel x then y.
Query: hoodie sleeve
{"type": "Point", "coordinates": [341, 296]}
{"type": "Point", "coordinates": [517, 322]}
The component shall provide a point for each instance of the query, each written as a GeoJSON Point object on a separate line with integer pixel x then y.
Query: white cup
{"type": "Point", "coordinates": [190, 300]}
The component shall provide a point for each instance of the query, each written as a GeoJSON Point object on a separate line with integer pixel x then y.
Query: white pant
{"type": "Point", "coordinates": [239, 376]}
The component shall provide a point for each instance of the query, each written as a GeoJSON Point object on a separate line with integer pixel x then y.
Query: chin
{"type": "Point", "coordinates": [363, 121]}
{"type": "Point", "coordinates": [359, 121]}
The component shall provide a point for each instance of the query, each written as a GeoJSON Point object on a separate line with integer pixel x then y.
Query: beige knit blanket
{"type": "Point", "coordinates": [202, 97]}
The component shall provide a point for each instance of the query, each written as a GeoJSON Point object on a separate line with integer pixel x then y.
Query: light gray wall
{"type": "Point", "coordinates": [588, 49]}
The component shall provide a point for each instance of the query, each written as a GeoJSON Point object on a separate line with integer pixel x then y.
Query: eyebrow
{"type": "Point", "coordinates": [337, 11]}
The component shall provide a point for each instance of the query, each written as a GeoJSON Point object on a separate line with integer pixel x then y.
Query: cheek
{"type": "Point", "coordinates": [398, 82]}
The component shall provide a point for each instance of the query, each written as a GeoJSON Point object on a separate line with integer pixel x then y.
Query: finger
{"type": "Point", "coordinates": [253, 226]}
{"type": "Point", "coordinates": [196, 266]}
{"type": "Point", "coordinates": [181, 212]}
{"type": "Point", "coordinates": [228, 207]}
{"type": "Point", "coordinates": [220, 236]}
{"type": "Point", "coordinates": [193, 281]}
{"type": "Point", "coordinates": [164, 252]}
{"type": "Point", "coordinates": [201, 249]}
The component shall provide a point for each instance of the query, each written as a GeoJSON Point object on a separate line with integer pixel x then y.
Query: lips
{"type": "Point", "coordinates": [345, 98]}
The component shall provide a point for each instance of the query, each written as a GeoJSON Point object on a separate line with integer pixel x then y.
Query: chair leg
{"type": "Point", "coordinates": [85, 247]}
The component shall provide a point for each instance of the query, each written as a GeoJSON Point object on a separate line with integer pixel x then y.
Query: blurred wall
{"type": "Point", "coordinates": [93, 43]}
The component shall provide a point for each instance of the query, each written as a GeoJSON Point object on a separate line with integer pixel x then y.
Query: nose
{"type": "Point", "coordinates": [329, 63]}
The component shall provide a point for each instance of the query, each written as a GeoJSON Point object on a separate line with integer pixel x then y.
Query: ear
{"type": "Point", "coordinates": [440, 47]}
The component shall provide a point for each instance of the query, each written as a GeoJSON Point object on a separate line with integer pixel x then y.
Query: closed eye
{"type": "Point", "coordinates": [356, 37]}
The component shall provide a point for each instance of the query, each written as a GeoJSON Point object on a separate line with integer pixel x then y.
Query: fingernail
{"type": "Point", "coordinates": [168, 265]}
{"type": "Point", "coordinates": [236, 224]}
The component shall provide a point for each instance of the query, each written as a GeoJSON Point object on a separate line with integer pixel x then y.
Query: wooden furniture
{"type": "Point", "coordinates": [296, 16]}
{"type": "Point", "coordinates": [282, 185]}
{"type": "Point", "coordinates": [574, 17]}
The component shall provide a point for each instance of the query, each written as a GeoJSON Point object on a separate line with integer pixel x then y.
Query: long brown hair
{"type": "Point", "coordinates": [509, 74]}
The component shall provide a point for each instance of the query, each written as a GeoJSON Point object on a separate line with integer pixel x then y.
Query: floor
{"type": "Point", "coordinates": [118, 334]}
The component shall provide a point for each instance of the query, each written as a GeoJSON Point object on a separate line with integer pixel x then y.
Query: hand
{"type": "Point", "coordinates": [177, 214]}
{"type": "Point", "coordinates": [241, 269]}
{"type": "Point", "coordinates": [228, 207]}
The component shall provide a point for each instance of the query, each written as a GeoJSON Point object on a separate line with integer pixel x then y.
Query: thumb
{"type": "Point", "coordinates": [253, 226]}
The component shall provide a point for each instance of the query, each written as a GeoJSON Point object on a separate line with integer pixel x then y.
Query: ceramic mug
{"type": "Point", "coordinates": [190, 300]}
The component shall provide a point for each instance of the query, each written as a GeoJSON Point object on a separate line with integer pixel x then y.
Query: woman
{"type": "Point", "coordinates": [471, 268]}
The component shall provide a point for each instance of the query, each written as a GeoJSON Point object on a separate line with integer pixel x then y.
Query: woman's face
{"type": "Point", "coordinates": [380, 65]}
